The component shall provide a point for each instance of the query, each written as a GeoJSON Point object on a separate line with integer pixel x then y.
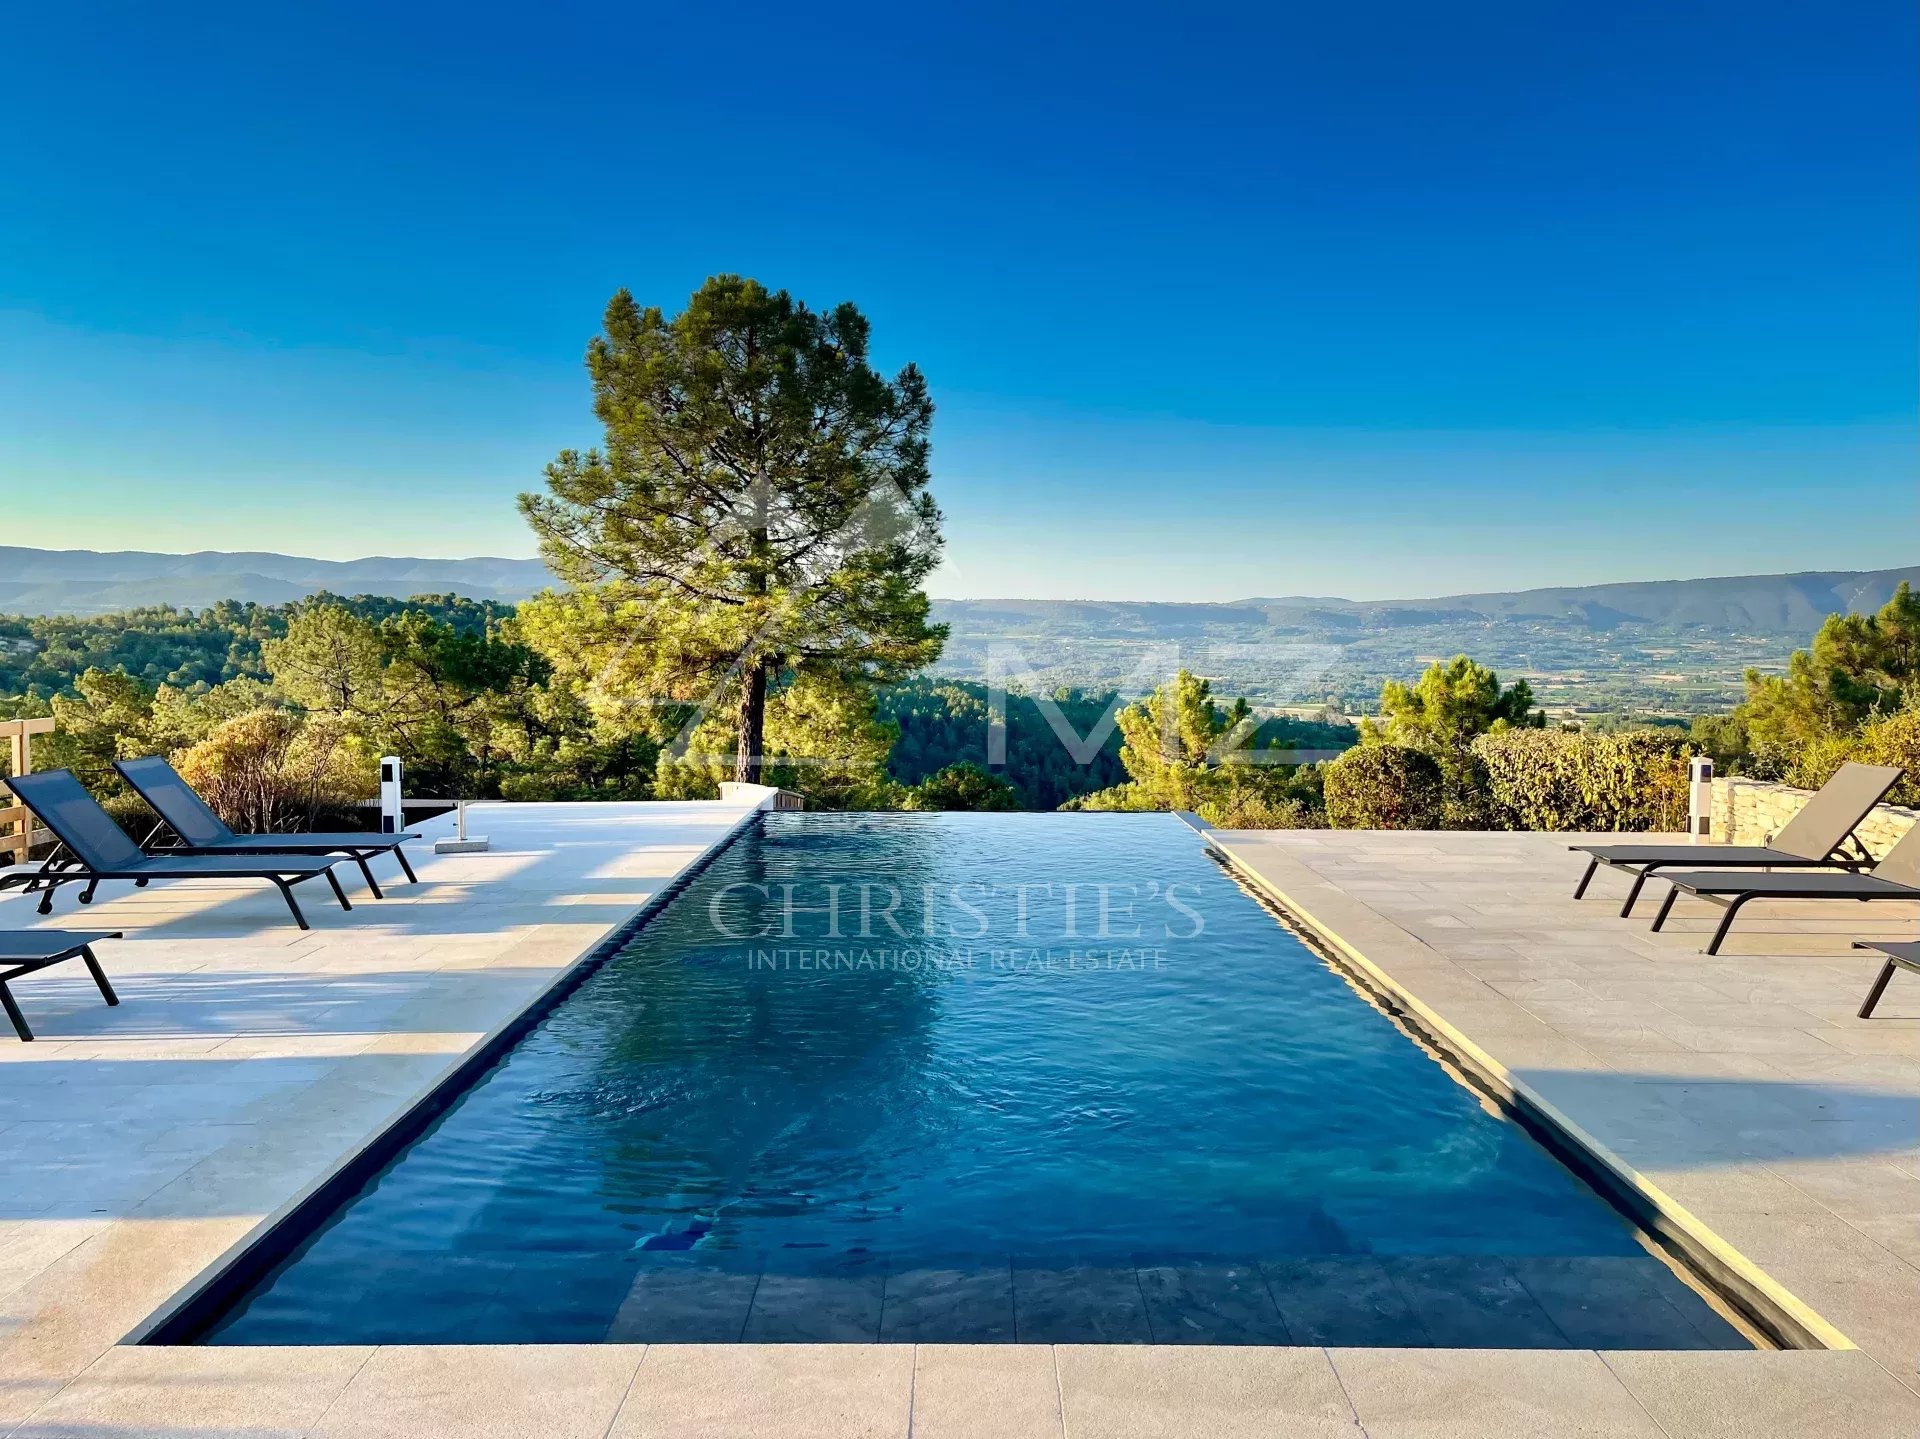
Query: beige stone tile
{"type": "Point", "coordinates": [82, 1304]}
{"type": "Point", "coordinates": [261, 1393]}
{"type": "Point", "coordinates": [1666, 1064]}
{"type": "Point", "coordinates": [1899, 1233]}
{"type": "Point", "coordinates": [1140, 1391]}
{"type": "Point", "coordinates": [1868, 1038]}
{"type": "Point", "coordinates": [1489, 1394]}
{"type": "Point", "coordinates": [793, 1391]}
{"type": "Point", "coordinates": [985, 1391]}
{"type": "Point", "coordinates": [20, 1395]}
{"type": "Point", "coordinates": [1855, 1190]}
{"type": "Point", "coordinates": [1733, 1188]}
{"type": "Point", "coordinates": [505, 1391]}
{"type": "Point", "coordinates": [1732, 1014]}
{"type": "Point", "coordinates": [30, 1246]}
{"type": "Point", "coordinates": [1808, 1394]}
{"type": "Point", "coordinates": [1746, 1039]}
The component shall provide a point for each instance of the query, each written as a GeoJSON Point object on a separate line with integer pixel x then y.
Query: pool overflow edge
{"type": "Point", "coordinates": [1758, 1301]}
{"type": "Point", "coordinates": [191, 1313]}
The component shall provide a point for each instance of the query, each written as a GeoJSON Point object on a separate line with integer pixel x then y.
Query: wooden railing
{"type": "Point", "coordinates": [17, 834]}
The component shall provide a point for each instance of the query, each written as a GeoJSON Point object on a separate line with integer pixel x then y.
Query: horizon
{"type": "Point", "coordinates": [1393, 305]}
{"type": "Point", "coordinates": [1275, 598]}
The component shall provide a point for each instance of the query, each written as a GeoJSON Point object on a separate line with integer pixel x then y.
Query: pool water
{"type": "Point", "coordinates": [972, 1078]}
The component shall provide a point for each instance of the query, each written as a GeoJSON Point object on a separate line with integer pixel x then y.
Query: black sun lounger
{"type": "Point", "coordinates": [1895, 877]}
{"type": "Point", "coordinates": [1898, 956]}
{"type": "Point", "coordinates": [200, 831]}
{"type": "Point", "coordinates": [93, 848]}
{"type": "Point", "coordinates": [1815, 838]}
{"type": "Point", "coordinates": [26, 950]}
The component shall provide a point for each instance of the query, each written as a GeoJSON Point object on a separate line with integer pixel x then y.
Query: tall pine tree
{"type": "Point", "coordinates": [759, 509]}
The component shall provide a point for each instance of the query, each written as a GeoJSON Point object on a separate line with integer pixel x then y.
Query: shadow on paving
{"type": "Point", "coordinates": [221, 1005]}
{"type": "Point", "coordinates": [1677, 1121]}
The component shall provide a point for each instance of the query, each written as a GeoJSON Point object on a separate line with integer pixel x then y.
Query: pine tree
{"type": "Point", "coordinates": [759, 510]}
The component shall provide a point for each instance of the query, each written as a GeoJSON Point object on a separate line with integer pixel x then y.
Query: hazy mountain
{"type": "Point", "coordinates": [1745, 604]}
{"type": "Point", "coordinates": [1666, 644]}
{"type": "Point", "coordinates": [47, 582]}
{"type": "Point", "coordinates": [1742, 604]}
{"type": "Point", "coordinates": [39, 582]}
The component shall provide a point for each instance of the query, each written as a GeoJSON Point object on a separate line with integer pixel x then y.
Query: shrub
{"type": "Point", "coordinates": [273, 771]}
{"type": "Point", "coordinates": [1556, 780]}
{"type": "Point", "coordinates": [962, 786]}
{"type": "Point", "coordinates": [131, 813]}
{"type": "Point", "coordinates": [1384, 786]}
{"type": "Point", "coordinates": [1893, 739]}
{"type": "Point", "coordinates": [1240, 809]}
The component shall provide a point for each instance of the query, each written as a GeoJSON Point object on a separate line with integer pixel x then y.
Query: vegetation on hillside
{"type": "Point", "coordinates": [484, 701]}
{"type": "Point", "coordinates": [745, 561]}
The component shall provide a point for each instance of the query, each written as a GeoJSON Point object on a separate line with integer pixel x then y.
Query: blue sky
{"type": "Point", "coordinates": [1377, 299]}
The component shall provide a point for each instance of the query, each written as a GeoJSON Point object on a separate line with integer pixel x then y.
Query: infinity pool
{"type": "Point", "coordinates": [972, 1078]}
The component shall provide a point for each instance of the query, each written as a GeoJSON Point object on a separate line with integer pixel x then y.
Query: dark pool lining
{"type": "Point", "coordinates": [192, 1314]}
{"type": "Point", "coordinates": [1725, 1290]}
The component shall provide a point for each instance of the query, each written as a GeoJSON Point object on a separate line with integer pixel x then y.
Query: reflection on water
{"type": "Point", "coordinates": [946, 1051]}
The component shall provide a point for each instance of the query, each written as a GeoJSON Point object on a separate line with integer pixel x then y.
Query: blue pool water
{"type": "Point", "coordinates": [1045, 1077]}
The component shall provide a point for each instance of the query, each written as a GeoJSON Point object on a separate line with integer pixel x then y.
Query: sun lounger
{"type": "Point", "coordinates": [93, 848]}
{"type": "Point", "coordinates": [27, 950]}
{"type": "Point", "coordinates": [1895, 877]}
{"type": "Point", "coordinates": [199, 830]}
{"type": "Point", "coordinates": [1815, 838]}
{"type": "Point", "coordinates": [1898, 956]}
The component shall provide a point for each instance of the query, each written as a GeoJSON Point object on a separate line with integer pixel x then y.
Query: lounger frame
{"type": "Point", "coordinates": [1897, 956]}
{"type": "Point", "coordinates": [67, 865]}
{"type": "Point", "coordinates": [1644, 870]}
{"type": "Point", "coordinates": [80, 947]}
{"type": "Point", "coordinates": [1896, 876]}
{"type": "Point", "coordinates": [1733, 901]}
{"type": "Point", "coordinates": [1846, 799]}
{"type": "Point", "coordinates": [135, 773]}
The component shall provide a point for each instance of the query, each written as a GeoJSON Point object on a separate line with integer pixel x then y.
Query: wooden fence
{"type": "Point", "coordinates": [17, 834]}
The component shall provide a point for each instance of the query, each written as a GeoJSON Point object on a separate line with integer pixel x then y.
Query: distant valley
{"type": "Point", "coordinates": [1676, 646]}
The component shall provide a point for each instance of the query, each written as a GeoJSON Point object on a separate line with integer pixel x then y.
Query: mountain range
{"type": "Point", "coordinates": [1663, 646]}
{"type": "Point", "coordinates": [45, 582]}
{"type": "Point", "coordinates": [91, 582]}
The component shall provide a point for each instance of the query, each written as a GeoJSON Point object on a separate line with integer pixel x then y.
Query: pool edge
{"type": "Point", "coordinates": [187, 1313]}
{"type": "Point", "coordinates": [1761, 1298]}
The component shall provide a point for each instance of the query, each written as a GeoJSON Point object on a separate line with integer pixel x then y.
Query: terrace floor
{"type": "Point", "coordinates": [248, 1058]}
{"type": "Point", "coordinates": [1740, 1085]}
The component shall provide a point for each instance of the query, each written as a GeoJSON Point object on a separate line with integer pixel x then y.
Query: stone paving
{"type": "Point", "coordinates": [1740, 1086]}
{"type": "Point", "coordinates": [141, 1142]}
{"type": "Point", "coordinates": [247, 1057]}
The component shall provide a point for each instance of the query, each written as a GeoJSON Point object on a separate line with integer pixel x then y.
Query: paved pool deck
{"type": "Point", "coordinates": [142, 1142]}
{"type": "Point", "coordinates": [1739, 1088]}
{"type": "Point", "coordinates": [248, 1057]}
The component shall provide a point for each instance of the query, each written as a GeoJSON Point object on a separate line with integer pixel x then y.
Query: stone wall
{"type": "Point", "coordinates": [1751, 811]}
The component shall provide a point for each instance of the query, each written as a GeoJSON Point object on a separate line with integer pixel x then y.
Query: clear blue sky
{"type": "Point", "coordinates": [1372, 299]}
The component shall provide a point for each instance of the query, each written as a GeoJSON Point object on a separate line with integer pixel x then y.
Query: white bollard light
{"type": "Point", "coordinates": [393, 808]}
{"type": "Point", "coordinates": [1700, 797]}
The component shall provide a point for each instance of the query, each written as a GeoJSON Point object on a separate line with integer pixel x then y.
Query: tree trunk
{"type": "Point", "coordinates": [747, 764]}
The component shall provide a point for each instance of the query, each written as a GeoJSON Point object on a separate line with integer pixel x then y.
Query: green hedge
{"type": "Point", "coordinates": [1384, 786]}
{"type": "Point", "coordinates": [1556, 780]}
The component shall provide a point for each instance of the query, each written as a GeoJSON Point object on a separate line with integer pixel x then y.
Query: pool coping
{"type": "Point", "coordinates": [186, 1314]}
{"type": "Point", "coordinates": [1760, 1298]}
